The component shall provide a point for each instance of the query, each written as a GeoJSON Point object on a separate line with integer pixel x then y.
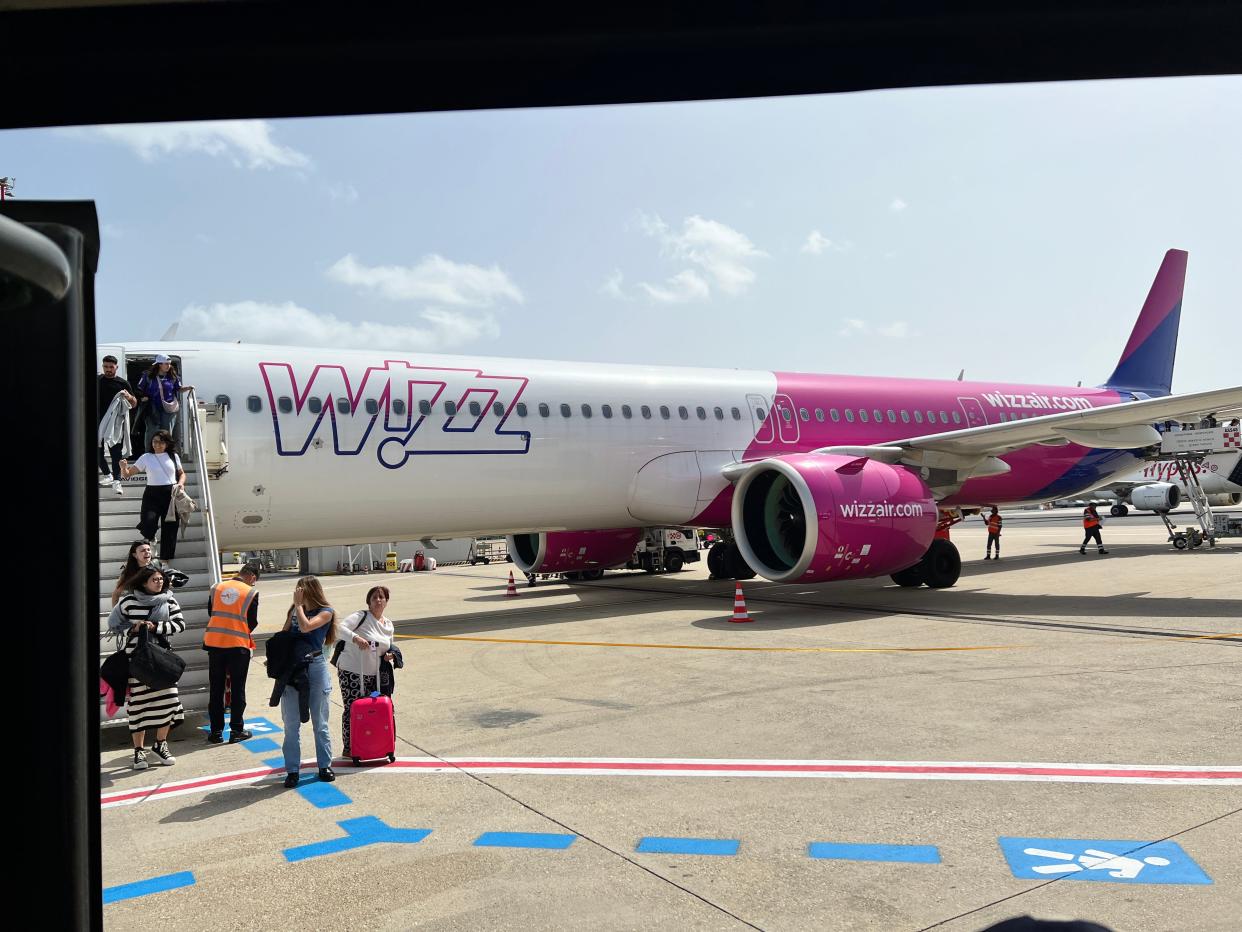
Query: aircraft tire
{"type": "Point", "coordinates": [941, 565]}
{"type": "Point", "coordinates": [717, 561]}
{"type": "Point", "coordinates": [1179, 542]}
{"type": "Point", "coordinates": [910, 577]}
{"type": "Point", "coordinates": [673, 560]}
{"type": "Point", "coordinates": [1119, 511]}
{"type": "Point", "coordinates": [592, 575]}
{"type": "Point", "coordinates": [572, 577]}
{"type": "Point", "coordinates": [736, 564]}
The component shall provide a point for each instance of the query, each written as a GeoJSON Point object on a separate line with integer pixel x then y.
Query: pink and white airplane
{"type": "Point", "coordinates": [820, 477]}
{"type": "Point", "coordinates": [1158, 485]}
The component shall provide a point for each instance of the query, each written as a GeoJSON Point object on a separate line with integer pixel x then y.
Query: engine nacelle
{"type": "Point", "coordinates": [1159, 496]}
{"type": "Point", "coordinates": [1225, 499]}
{"type": "Point", "coordinates": [817, 517]}
{"type": "Point", "coordinates": [572, 551]}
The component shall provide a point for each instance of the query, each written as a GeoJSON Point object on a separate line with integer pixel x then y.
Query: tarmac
{"type": "Point", "coordinates": [1057, 735]}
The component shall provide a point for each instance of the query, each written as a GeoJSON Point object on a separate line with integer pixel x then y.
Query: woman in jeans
{"type": "Point", "coordinates": [160, 389]}
{"type": "Point", "coordinates": [314, 621]}
{"type": "Point", "coordinates": [163, 469]}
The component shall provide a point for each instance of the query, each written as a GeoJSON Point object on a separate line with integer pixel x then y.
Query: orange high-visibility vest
{"type": "Point", "coordinates": [226, 615]}
{"type": "Point", "coordinates": [994, 524]}
{"type": "Point", "coordinates": [1089, 520]}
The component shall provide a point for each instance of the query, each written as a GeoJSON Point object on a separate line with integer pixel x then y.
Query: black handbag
{"type": "Point", "coordinates": [153, 665]}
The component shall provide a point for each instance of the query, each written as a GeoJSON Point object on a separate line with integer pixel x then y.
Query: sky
{"type": "Point", "coordinates": [1009, 230]}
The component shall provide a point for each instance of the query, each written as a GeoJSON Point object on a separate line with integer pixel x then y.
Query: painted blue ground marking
{"type": "Point", "coordinates": [319, 794]}
{"type": "Point", "coordinates": [260, 746]}
{"type": "Point", "coordinates": [360, 832]}
{"type": "Point", "coordinates": [523, 840]}
{"type": "Point", "coordinates": [276, 762]}
{"type": "Point", "coordinates": [911, 854]}
{"type": "Point", "coordinates": [127, 891]}
{"type": "Point", "coordinates": [1110, 861]}
{"type": "Point", "coordinates": [257, 726]}
{"type": "Point", "coordinates": [723, 846]}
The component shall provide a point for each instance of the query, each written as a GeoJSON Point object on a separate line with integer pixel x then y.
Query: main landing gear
{"type": "Point", "coordinates": [941, 564]}
{"type": "Point", "coordinates": [725, 562]}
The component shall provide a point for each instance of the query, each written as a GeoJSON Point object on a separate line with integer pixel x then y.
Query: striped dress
{"type": "Point", "coordinates": [146, 707]}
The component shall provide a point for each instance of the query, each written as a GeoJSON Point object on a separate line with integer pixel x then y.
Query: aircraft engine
{"type": "Point", "coordinates": [572, 551]}
{"type": "Point", "coordinates": [1159, 496]}
{"type": "Point", "coordinates": [818, 517]}
{"type": "Point", "coordinates": [1225, 499]}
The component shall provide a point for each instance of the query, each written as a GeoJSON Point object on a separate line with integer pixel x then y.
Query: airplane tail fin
{"type": "Point", "coordinates": [1146, 364]}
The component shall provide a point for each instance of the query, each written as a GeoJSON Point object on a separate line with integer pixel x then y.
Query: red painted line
{"type": "Point", "coordinates": [241, 775]}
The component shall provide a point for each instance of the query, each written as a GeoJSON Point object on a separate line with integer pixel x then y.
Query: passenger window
{"type": "Point", "coordinates": [760, 415]}
{"type": "Point", "coordinates": [521, 409]}
{"type": "Point", "coordinates": [424, 407]}
{"type": "Point", "coordinates": [285, 404]}
{"type": "Point", "coordinates": [835, 415]}
{"type": "Point", "coordinates": [702, 413]}
{"type": "Point", "coordinates": [918, 417]}
{"type": "Point", "coordinates": [849, 415]}
{"type": "Point", "coordinates": [877, 415]}
{"type": "Point", "coordinates": [944, 417]}
{"type": "Point", "coordinates": [957, 418]}
{"type": "Point", "coordinates": [862, 415]}
{"type": "Point", "coordinates": [498, 409]}
{"type": "Point", "coordinates": [315, 405]}
{"type": "Point", "coordinates": [586, 410]}
{"type": "Point", "coordinates": [664, 412]}
{"type": "Point", "coordinates": [223, 401]}
{"type": "Point", "coordinates": [343, 405]}
{"type": "Point", "coordinates": [627, 412]}
{"type": "Point", "coordinates": [566, 411]}
{"type": "Point", "coordinates": [905, 416]}
{"type": "Point", "coordinates": [804, 414]}
{"type": "Point", "coordinates": [682, 412]}
{"type": "Point", "coordinates": [646, 412]}
{"type": "Point", "coordinates": [787, 415]}
{"type": "Point", "coordinates": [450, 408]}
{"type": "Point", "coordinates": [719, 413]}
{"type": "Point", "coordinates": [892, 416]}
{"type": "Point", "coordinates": [372, 406]}
{"type": "Point", "coordinates": [475, 410]}
{"type": "Point", "coordinates": [398, 407]}
{"type": "Point", "coordinates": [819, 415]}
{"type": "Point", "coordinates": [254, 404]}
{"type": "Point", "coordinates": [931, 417]}
{"type": "Point", "coordinates": [544, 410]}
{"type": "Point", "coordinates": [737, 415]}
{"type": "Point", "coordinates": [605, 410]}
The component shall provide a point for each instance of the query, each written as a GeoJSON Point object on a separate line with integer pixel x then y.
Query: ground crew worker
{"type": "Point", "coordinates": [994, 531]}
{"type": "Point", "coordinates": [1091, 525]}
{"type": "Point", "coordinates": [233, 612]}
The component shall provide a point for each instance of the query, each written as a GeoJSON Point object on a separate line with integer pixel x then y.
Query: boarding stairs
{"type": "Point", "coordinates": [197, 557]}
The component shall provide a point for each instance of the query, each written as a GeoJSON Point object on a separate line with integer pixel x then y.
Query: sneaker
{"type": "Point", "coordinates": [105, 480]}
{"type": "Point", "coordinates": [160, 749]}
{"type": "Point", "coordinates": [116, 487]}
{"type": "Point", "coordinates": [215, 737]}
{"type": "Point", "coordinates": [1103, 552]}
{"type": "Point", "coordinates": [987, 558]}
{"type": "Point", "coordinates": [240, 735]}
{"type": "Point", "coordinates": [140, 759]}
{"type": "Point", "coordinates": [326, 775]}
{"type": "Point", "coordinates": [291, 780]}
{"type": "Point", "coordinates": [1083, 551]}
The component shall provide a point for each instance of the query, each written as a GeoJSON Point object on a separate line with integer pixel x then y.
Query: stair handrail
{"type": "Point", "coordinates": [208, 510]}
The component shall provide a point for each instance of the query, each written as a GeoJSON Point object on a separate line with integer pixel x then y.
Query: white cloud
{"type": "Point", "coordinates": [852, 326]}
{"type": "Point", "coordinates": [721, 252]}
{"type": "Point", "coordinates": [687, 285]}
{"type": "Point", "coordinates": [246, 143]}
{"type": "Point", "coordinates": [434, 279]}
{"type": "Point", "coordinates": [612, 287]}
{"type": "Point", "coordinates": [816, 243]}
{"type": "Point", "coordinates": [898, 205]}
{"type": "Point", "coordinates": [343, 192]}
{"type": "Point", "coordinates": [288, 323]}
{"type": "Point", "coordinates": [897, 330]}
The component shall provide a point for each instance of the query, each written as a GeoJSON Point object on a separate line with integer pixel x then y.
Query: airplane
{"type": "Point", "coordinates": [820, 477]}
{"type": "Point", "coordinates": [1157, 487]}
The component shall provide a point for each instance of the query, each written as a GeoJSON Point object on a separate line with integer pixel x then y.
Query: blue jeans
{"type": "Point", "coordinates": [320, 689]}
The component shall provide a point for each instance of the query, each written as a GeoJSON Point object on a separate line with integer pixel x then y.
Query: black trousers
{"type": "Point", "coordinates": [155, 499]}
{"type": "Point", "coordinates": [115, 454]}
{"type": "Point", "coordinates": [1092, 532]}
{"type": "Point", "coordinates": [994, 541]}
{"type": "Point", "coordinates": [234, 661]}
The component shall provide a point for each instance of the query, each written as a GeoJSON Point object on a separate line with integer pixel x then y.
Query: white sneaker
{"type": "Point", "coordinates": [160, 749]}
{"type": "Point", "coordinates": [116, 487]}
{"type": "Point", "coordinates": [105, 480]}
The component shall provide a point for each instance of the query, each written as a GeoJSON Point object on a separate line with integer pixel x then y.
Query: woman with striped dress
{"type": "Point", "coordinates": [149, 605]}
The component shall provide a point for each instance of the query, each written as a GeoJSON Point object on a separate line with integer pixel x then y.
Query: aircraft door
{"type": "Point", "coordinates": [761, 418]}
{"type": "Point", "coordinates": [786, 417]}
{"type": "Point", "coordinates": [973, 411]}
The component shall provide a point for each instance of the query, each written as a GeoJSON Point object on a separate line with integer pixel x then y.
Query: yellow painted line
{"type": "Point", "coordinates": [1209, 637]}
{"type": "Point", "coordinates": [809, 650]}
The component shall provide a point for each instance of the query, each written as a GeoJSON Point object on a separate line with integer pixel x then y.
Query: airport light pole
{"type": "Point", "coordinates": [6, 187]}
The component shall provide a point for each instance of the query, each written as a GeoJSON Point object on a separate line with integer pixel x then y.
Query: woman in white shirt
{"type": "Point", "coordinates": [163, 469]}
{"type": "Point", "coordinates": [358, 632]}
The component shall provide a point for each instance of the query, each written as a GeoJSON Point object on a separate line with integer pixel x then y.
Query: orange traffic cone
{"type": "Point", "coordinates": [740, 614]}
{"type": "Point", "coordinates": [512, 590]}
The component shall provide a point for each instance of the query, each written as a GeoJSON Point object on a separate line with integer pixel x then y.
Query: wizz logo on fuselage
{"type": "Point", "coordinates": [400, 409]}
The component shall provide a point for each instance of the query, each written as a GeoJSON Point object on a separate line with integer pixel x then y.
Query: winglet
{"type": "Point", "coordinates": [1146, 364]}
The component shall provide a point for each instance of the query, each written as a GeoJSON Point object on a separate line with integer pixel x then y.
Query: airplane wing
{"type": "Point", "coordinates": [952, 457]}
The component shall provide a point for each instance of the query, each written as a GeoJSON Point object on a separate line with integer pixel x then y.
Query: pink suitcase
{"type": "Point", "coordinates": [372, 726]}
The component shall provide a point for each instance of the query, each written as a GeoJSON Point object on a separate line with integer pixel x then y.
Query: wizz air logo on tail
{"type": "Point", "coordinates": [398, 409]}
{"type": "Point", "coordinates": [882, 510]}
